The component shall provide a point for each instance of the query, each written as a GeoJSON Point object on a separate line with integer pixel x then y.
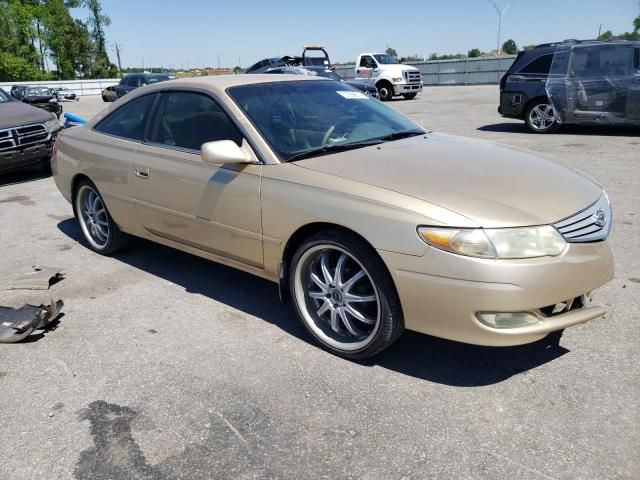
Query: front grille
{"type": "Point", "coordinates": [11, 138]}
{"type": "Point", "coordinates": [413, 77]}
{"type": "Point", "coordinates": [592, 224]}
{"type": "Point", "coordinates": [569, 305]}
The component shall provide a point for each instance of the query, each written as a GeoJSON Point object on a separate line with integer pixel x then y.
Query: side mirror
{"type": "Point", "coordinates": [223, 151]}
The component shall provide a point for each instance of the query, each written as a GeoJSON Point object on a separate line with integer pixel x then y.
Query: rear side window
{"type": "Point", "coordinates": [130, 120]}
{"type": "Point", "coordinates": [538, 66]}
{"type": "Point", "coordinates": [602, 61]}
{"type": "Point", "coordinates": [366, 61]}
{"type": "Point", "coordinates": [187, 120]}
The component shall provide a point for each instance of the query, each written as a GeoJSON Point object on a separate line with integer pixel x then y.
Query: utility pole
{"type": "Point", "coordinates": [500, 14]}
{"type": "Point", "coordinates": [599, 30]}
{"type": "Point", "coordinates": [218, 62]}
{"type": "Point", "coordinates": [118, 47]}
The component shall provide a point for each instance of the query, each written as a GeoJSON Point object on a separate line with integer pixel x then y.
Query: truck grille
{"type": "Point", "coordinates": [12, 138]}
{"type": "Point", "coordinates": [412, 77]}
{"type": "Point", "coordinates": [592, 224]}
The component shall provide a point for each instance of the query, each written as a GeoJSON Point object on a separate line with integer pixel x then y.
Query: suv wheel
{"type": "Point", "coordinates": [385, 91]}
{"type": "Point", "coordinates": [344, 295]}
{"type": "Point", "coordinates": [540, 117]}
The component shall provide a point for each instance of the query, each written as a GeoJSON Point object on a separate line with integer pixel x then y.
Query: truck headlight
{"type": "Point", "coordinates": [523, 242]}
{"type": "Point", "coordinates": [397, 79]}
{"type": "Point", "coordinates": [52, 125]}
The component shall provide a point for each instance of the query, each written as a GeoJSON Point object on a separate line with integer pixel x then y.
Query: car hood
{"type": "Point", "coordinates": [491, 185]}
{"type": "Point", "coordinates": [14, 114]}
{"type": "Point", "coordinates": [38, 98]}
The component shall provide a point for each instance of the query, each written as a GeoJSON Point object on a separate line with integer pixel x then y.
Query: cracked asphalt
{"type": "Point", "coordinates": [169, 366]}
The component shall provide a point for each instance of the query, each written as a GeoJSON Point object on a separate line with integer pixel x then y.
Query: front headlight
{"type": "Point", "coordinates": [523, 242]}
{"type": "Point", "coordinates": [52, 125]}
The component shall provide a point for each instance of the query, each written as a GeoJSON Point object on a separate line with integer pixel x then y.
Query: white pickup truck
{"type": "Point", "coordinates": [390, 77]}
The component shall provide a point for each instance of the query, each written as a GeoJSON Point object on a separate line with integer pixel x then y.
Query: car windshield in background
{"type": "Point", "coordinates": [157, 79]}
{"type": "Point", "coordinates": [4, 97]}
{"type": "Point", "coordinates": [38, 92]}
{"type": "Point", "coordinates": [302, 119]}
{"type": "Point", "coordinates": [329, 74]}
{"type": "Point", "coordinates": [385, 59]}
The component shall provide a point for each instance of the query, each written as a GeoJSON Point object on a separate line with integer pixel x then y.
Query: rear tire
{"type": "Point", "coordinates": [385, 91]}
{"type": "Point", "coordinates": [540, 117]}
{"type": "Point", "coordinates": [344, 295]}
{"type": "Point", "coordinates": [99, 230]}
{"type": "Point", "coordinates": [409, 96]}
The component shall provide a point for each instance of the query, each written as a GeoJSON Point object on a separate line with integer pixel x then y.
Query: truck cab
{"type": "Point", "coordinates": [389, 76]}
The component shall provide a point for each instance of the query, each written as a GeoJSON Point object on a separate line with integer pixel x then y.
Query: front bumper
{"type": "Point", "coordinates": [22, 157]}
{"type": "Point", "coordinates": [404, 88]}
{"type": "Point", "coordinates": [441, 293]}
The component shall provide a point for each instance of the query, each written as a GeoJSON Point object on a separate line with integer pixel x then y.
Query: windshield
{"type": "Point", "coordinates": [38, 91]}
{"type": "Point", "coordinates": [300, 119]}
{"type": "Point", "coordinates": [329, 74]}
{"type": "Point", "coordinates": [157, 79]}
{"type": "Point", "coordinates": [385, 59]}
{"type": "Point", "coordinates": [4, 96]}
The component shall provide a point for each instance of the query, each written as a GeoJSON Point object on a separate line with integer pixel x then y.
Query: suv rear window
{"type": "Point", "coordinates": [538, 66]}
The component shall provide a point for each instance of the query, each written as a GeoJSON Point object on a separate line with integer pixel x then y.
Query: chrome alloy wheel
{"type": "Point", "coordinates": [542, 116]}
{"type": "Point", "coordinates": [93, 217]}
{"type": "Point", "coordinates": [337, 297]}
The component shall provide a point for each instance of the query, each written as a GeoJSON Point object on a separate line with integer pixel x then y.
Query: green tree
{"type": "Point", "coordinates": [636, 24]}
{"type": "Point", "coordinates": [391, 52]}
{"type": "Point", "coordinates": [474, 53]}
{"type": "Point", "coordinates": [237, 70]}
{"type": "Point", "coordinates": [509, 47]}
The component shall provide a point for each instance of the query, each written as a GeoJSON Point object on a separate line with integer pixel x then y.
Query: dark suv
{"type": "Point", "coordinates": [571, 82]}
{"type": "Point", "coordinates": [132, 81]}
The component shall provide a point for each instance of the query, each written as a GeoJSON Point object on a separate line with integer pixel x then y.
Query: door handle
{"type": "Point", "coordinates": [142, 172]}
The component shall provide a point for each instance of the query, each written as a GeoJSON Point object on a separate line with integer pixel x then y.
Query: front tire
{"type": "Point", "coordinates": [344, 295]}
{"type": "Point", "coordinates": [99, 230]}
{"type": "Point", "coordinates": [540, 117]}
{"type": "Point", "coordinates": [409, 96]}
{"type": "Point", "coordinates": [385, 91]}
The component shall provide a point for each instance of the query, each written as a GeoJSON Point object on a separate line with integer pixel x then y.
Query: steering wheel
{"type": "Point", "coordinates": [327, 135]}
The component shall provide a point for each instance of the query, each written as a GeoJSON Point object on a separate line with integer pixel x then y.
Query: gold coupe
{"type": "Point", "coordinates": [369, 223]}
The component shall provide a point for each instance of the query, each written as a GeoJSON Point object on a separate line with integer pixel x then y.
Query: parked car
{"type": "Point", "coordinates": [593, 82]}
{"type": "Point", "coordinates": [312, 56]}
{"type": "Point", "coordinates": [41, 97]}
{"type": "Point", "coordinates": [368, 223]}
{"type": "Point", "coordinates": [26, 134]}
{"type": "Point", "coordinates": [322, 71]}
{"type": "Point", "coordinates": [109, 94]}
{"type": "Point", "coordinates": [63, 93]}
{"type": "Point", "coordinates": [389, 76]}
{"type": "Point", "coordinates": [132, 81]}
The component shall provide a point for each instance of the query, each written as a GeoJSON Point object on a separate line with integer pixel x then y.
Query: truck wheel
{"type": "Point", "coordinates": [385, 91]}
{"type": "Point", "coordinates": [410, 96]}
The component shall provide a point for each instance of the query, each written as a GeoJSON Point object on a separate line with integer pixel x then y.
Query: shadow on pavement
{"type": "Point", "coordinates": [417, 355]}
{"type": "Point", "coordinates": [26, 174]}
{"type": "Point", "coordinates": [602, 130]}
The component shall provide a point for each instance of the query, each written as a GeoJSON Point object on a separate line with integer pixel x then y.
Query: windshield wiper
{"type": "Point", "coordinates": [327, 149]}
{"type": "Point", "coordinates": [399, 135]}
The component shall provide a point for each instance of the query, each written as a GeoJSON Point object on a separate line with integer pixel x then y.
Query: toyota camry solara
{"type": "Point", "coordinates": [369, 223]}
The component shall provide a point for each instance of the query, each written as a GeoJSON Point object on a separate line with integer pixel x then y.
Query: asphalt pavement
{"type": "Point", "coordinates": [166, 365]}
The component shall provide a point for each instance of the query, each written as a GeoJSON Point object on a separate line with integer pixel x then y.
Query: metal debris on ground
{"type": "Point", "coordinates": [18, 323]}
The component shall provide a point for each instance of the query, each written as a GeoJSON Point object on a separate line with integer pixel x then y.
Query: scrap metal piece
{"type": "Point", "coordinates": [18, 323]}
{"type": "Point", "coordinates": [41, 278]}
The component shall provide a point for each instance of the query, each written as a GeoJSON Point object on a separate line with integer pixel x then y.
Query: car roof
{"type": "Point", "coordinates": [570, 42]}
{"type": "Point", "coordinates": [222, 82]}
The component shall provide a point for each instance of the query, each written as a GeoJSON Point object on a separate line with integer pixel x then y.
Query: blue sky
{"type": "Point", "coordinates": [194, 32]}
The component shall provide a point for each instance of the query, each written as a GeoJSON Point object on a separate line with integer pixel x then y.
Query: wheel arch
{"type": "Point", "coordinates": [75, 183]}
{"type": "Point", "coordinates": [533, 101]}
{"type": "Point", "coordinates": [299, 237]}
